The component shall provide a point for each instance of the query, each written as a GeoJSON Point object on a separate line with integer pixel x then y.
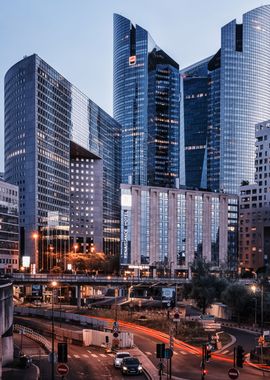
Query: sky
{"type": "Point", "coordinates": [76, 36]}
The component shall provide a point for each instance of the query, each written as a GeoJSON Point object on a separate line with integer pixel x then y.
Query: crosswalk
{"type": "Point", "coordinates": [97, 355]}
{"type": "Point", "coordinates": [175, 353]}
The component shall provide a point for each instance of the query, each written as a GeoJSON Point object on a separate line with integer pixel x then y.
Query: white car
{"type": "Point", "coordinates": [119, 358]}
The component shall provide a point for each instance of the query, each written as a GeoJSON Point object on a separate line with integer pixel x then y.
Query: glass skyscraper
{"type": "Point", "coordinates": [49, 123]}
{"type": "Point", "coordinates": [146, 104]}
{"type": "Point", "coordinates": [239, 87]}
{"type": "Point", "coordinates": [194, 122]}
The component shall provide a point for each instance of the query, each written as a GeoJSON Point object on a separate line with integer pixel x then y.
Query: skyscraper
{"type": "Point", "coordinates": [194, 122]}
{"type": "Point", "coordinates": [54, 132]}
{"type": "Point", "coordinates": [239, 98]}
{"type": "Point", "coordinates": [146, 104]}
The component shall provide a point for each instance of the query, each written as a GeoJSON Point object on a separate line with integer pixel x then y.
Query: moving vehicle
{"type": "Point", "coordinates": [131, 366]}
{"type": "Point", "coordinates": [119, 358]}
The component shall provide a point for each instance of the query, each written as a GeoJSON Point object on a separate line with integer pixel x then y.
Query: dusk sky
{"type": "Point", "coordinates": [75, 36]}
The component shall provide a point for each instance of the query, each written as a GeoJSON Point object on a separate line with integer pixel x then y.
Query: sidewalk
{"type": "Point", "coordinates": [31, 373]}
{"type": "Point", "coordinates": [13, 371]}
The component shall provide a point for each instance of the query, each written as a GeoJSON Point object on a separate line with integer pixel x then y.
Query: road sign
{"type": "Point", "coordinates": [62, 369]}
{"type": "Point", "coordinates": [168, 353]}
{"type": "Point", "coordinates": [52, 357]}
{"type": "Point", "coordinates": [176, 317]}
{"type": "Point", "coordinates": [233, 373]}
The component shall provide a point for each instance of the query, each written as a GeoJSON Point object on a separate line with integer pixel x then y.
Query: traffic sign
{"type": "Point", "coordinates": [176, 317]}
{"type": "Point", "coordinates": [62, 369]}
{"type": "Point", "coordinates": [233, 373]}
{"type": "Point", "coordinates": [168, 353]}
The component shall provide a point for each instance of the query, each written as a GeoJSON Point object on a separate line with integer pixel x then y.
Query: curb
{"type": "Point", "coordinates": [37, 371]}
{"type": "Point", "coordinates": [233, 340]}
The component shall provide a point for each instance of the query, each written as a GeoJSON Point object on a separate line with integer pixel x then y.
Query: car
{"type": "Point", "coordinates": [131, 366]}
{"type": "Point", "coordinates": [119, 358]}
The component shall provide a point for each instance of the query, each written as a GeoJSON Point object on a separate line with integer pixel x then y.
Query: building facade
{"type": "Point", "coordinates": [170, 228]}
{"type": "Point", "coordinates": [194, 123]}
{"type": "Point", "coordinates": [254, 217]}
{"type": "Point", "coordinates": [49, 124]}
{"type": "Point", "coordinates": [146, 104]}
{"type": "Point", "coordinates": [239, 98]}
{"type": "Point", "coordinates": [9, 227]}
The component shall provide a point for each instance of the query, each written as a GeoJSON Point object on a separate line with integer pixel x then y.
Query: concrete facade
{"type": "Point", "coordinates": [6, 324]}
{"type": "Point", "coordinates": [254, 217]}
{"type": "Point", "coordinates": [170, 228]}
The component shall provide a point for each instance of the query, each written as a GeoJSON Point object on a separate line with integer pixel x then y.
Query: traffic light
{"type": "Point", "coordinates": [240, 356]}
{"type": "Point", "coordinates": [208, 351]}
{"type": "Point", "coordinates": [161, 350]}
{"type": "Point", "coordinates": [62, 353]}
{"type": "Point", "coordinates": [107, 339]}
{"type": "Point", "coordinates": [204, 372]}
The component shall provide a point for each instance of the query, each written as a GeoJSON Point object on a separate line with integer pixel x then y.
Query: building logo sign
{"type": "Point", "coordinates": [132, 60]}
{"type": "Point", "coordinates": [125, 235]}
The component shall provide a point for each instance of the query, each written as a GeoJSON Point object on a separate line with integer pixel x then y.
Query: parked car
{"type": "Point", "coordinates": [119, 358]}
{"type": "Point", "coordinates": [131, 366]}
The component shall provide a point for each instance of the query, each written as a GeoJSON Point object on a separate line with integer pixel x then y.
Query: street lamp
{"type": "Point", "coordinates": [53, 284]}
{"type": "Point", "coordinates": [254, 289]}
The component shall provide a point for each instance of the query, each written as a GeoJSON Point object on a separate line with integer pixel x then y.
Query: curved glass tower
{"type": "Point", "coordinates": [146, 104]}
{"type": "Point", "coordinates": [239, 99]}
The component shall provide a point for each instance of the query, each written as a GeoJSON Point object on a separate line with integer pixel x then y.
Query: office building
{"type": "Point", "coordinates": [239, 98]}
{"type": "Point", "coordinates": [49, 125]}
{"type": "Point", "coordinates": [170, 228]}
{"type": "Point", "coordinates": [9, 227]}
{"type": "Point", "coordinates": [194, 123]}
{"type": "Point", "coordinates": [254, 217]}
{"type": "Point", "coordinates": [146, 104]}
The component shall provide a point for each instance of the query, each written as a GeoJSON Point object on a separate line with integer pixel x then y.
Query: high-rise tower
{"type": "Point", "coordinates": [146, 104]}
{"type": "Point", "coordinates": [239, 98]}
{"type": "Point", "coordinates": [62, 150]}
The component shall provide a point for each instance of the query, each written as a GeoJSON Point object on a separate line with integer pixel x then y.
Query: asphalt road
{"type": "Point", "coordinates": [91, 363]}
{"type": "Point", "coordinates": [187, 365]}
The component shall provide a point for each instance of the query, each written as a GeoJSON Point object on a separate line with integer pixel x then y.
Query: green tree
{"type": "Point", "coordinates": [239, 299]}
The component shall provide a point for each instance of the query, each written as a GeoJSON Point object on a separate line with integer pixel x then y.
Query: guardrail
{"type": "Point", "coordinates": [33, 335]}
{"type": "Point", "coordinates": [83, 279]}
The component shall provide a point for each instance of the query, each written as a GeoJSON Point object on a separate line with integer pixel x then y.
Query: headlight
{"type": "Point", "coordinates": [117, 361]}
{"type": "Point", "coordinates": [140, 368]}
{"type": "Point", "coordinates": [125, 368]}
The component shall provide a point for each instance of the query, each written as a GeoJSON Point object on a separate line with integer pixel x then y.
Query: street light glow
{"type": "Point", "coordinates": [54, 283]}
{"type": "Point", "coordinates": [253, 288]}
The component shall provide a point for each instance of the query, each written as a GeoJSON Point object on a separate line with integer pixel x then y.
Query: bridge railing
{"type": "Point", "coordinates": [43, 277]}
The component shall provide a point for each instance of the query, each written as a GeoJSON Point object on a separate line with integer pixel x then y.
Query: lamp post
{"type": "Point", "coordinates": [254, 288]}
{"type": "Point", "coordinates": [262, 309]}
{"type": "Point", "coordinates": [54, 284]}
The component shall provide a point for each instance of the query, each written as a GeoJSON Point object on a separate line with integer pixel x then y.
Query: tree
{"type": "Point", "coordinates": [239, 299]}
{"type": "Point", "coordinates": [206, 288]}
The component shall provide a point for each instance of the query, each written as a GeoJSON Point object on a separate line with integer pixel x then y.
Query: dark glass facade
{"type": "Point", "coordinates": [194, 122]}
{"type": "Point", "coordinates": [146, 104]}
{"type": "Point", "coordinates": [240, 98]}
{"type": "Point", "coordinates": [48, 121]}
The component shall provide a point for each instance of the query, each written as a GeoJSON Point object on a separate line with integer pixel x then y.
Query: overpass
{"type": "Point", "coordinates": [80, 279]}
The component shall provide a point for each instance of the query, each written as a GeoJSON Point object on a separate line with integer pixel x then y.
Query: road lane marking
{"type": "Point", "coordinates": [175, 353]}
{"type": "Point", "coordinates": [94, 355]}
{"type": "Point", "coordinates": [148, 353]}
{"type": "Point", "coordinates": [76, 356]}
{"type": "Point", "coordinates": [89, 351]}
{"type": "Point", "coordinates": [183, 352]}
{"type": "Point", "coordinates": [112, 355]}
{"type": "Point", "coordinates": [85, 356]}
{"type": "Point", "coordinates": [69, 356]}
{"type": "Point", "coordinates": [103, 355]}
